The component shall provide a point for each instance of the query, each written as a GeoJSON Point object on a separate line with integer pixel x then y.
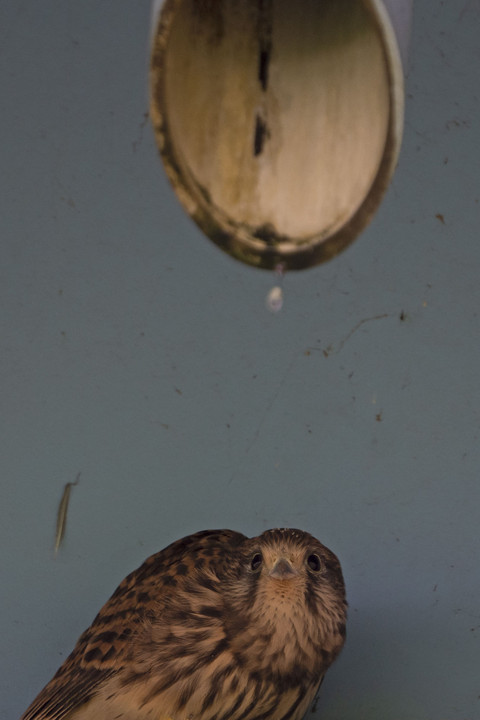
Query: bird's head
{"type": "Point", "coordinates": [288, 596]}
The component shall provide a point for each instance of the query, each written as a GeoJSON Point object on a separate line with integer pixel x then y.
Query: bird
{"type": "Point", "coordinates": [216, 626]}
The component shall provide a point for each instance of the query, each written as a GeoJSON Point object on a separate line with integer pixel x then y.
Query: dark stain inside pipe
{"type": "Point", "coordinates": [260, 135]}
{"type": "Point", "coordinates": [263, 62]}
{"type": "Point", "coordinates": [265, 19]}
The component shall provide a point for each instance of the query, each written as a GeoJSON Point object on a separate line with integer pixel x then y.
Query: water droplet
{"type": "Point", "coordinates": [275, 299]}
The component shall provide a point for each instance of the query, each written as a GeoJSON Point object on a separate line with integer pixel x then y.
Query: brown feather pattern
{"type": "Point", "coordinates": [216, 626]}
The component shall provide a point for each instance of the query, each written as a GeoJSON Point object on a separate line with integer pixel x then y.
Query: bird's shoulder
{"type": "Point", "coordinates": [103, 649]}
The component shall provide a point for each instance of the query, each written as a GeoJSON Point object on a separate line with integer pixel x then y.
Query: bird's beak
{"type": "Point", "coordinates": [283, 570]}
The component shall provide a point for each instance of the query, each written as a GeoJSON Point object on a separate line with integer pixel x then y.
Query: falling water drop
{"type": "Point", "coordinates": [274, 300]}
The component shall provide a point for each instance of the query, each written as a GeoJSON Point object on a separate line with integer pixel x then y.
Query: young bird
{"type": "Point", "coordinates": [216, 626]}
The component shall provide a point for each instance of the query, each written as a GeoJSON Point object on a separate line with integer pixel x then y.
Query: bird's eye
{"type": "Point", "coordinates": [256, 561]}
{"type": "Point", "coordinates": [313, 562]}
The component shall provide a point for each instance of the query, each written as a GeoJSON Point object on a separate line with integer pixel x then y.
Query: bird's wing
{"type": "Point", "coordinates": [103, 649]}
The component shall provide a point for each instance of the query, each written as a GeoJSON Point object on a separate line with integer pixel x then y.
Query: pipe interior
{"type": "Point", "coordinates": [278, 110]}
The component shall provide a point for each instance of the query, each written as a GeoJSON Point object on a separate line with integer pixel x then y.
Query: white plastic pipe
{"type": "Point", "coordinates": [279, 123]}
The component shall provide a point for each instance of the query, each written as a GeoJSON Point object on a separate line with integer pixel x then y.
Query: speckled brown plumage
{"type": "Point", "coordinates": [216, 626]}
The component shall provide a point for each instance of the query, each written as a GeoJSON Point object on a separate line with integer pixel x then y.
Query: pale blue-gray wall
{"type": "Point", "coordinates": [134, 351]}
